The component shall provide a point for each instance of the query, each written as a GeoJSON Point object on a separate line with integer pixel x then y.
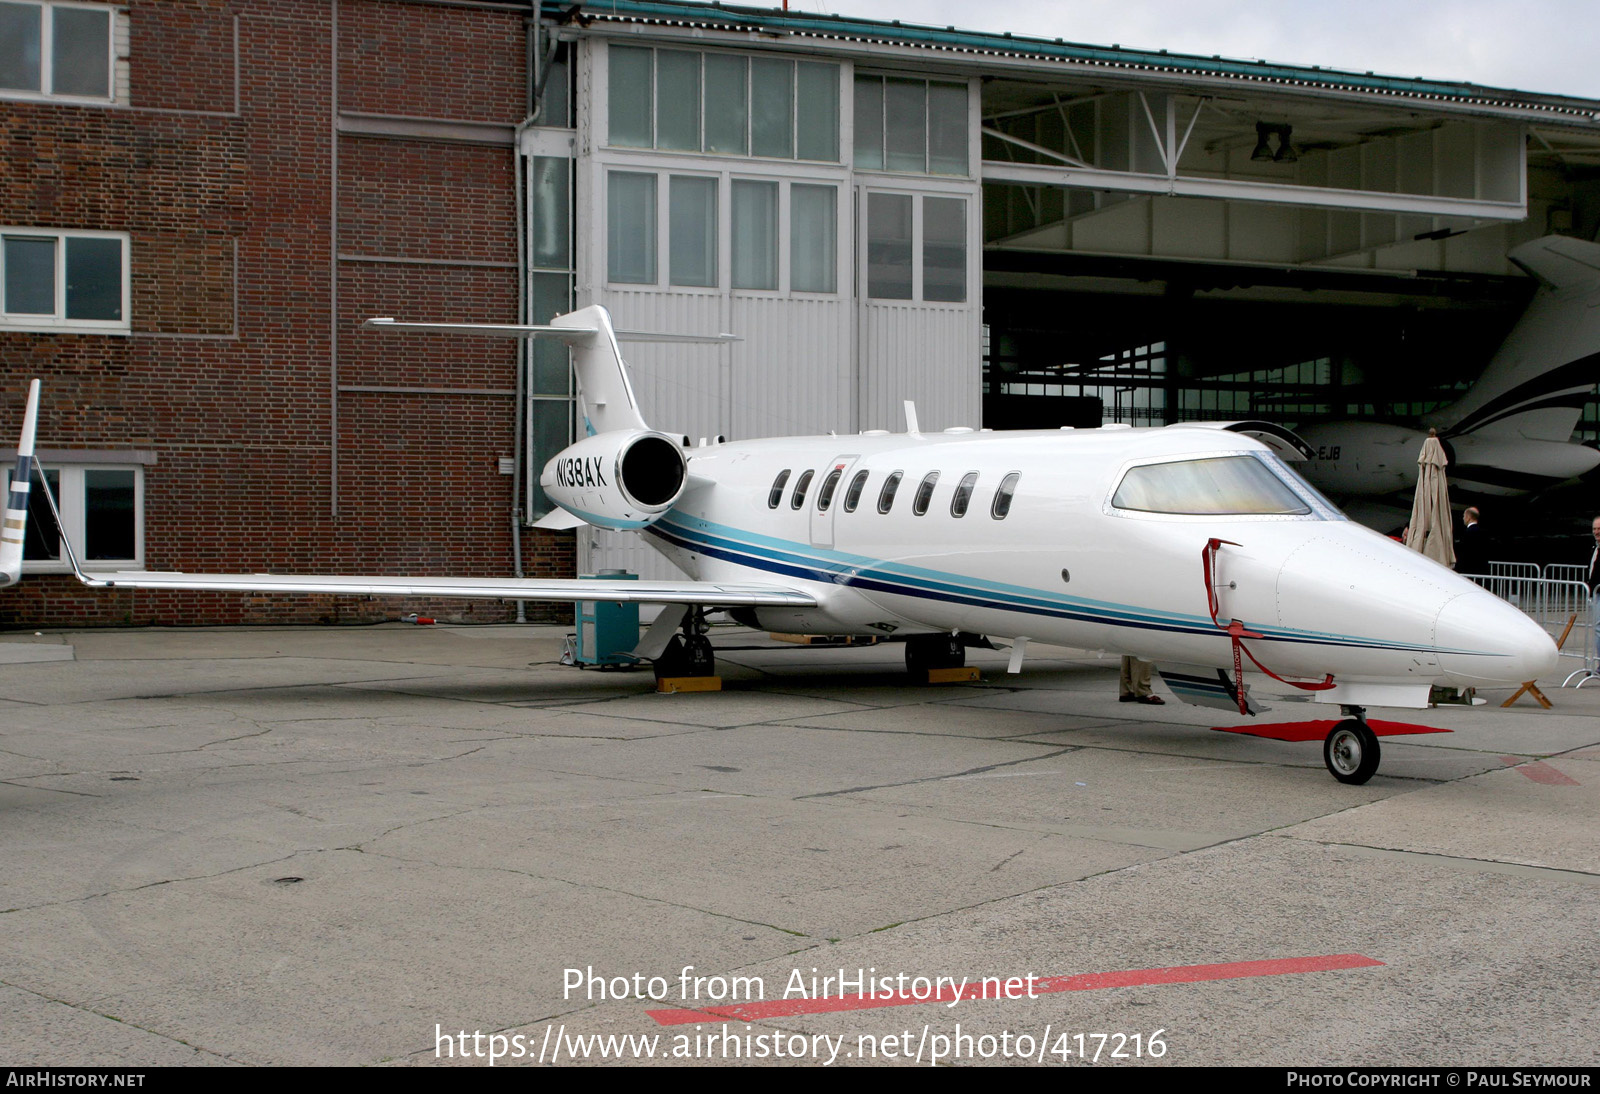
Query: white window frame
{"type": "Point", "coordinates": [47, 22]}
{"type": "Point", "coordinates": [882, 129]}
{"type": "Point", "coordinates": [58, 321]}
{"type": "Point", "coordinates": [666, 166]}
{"type": "Point", "coordinates": [796, 107]}
{"type": "Point", "coordinates": [71, 499]}
{"type": "Point", "coordinates": [917, 195]}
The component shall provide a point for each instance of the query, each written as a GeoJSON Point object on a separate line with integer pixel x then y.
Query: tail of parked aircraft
{"type": "Point", "coordinates": [1537, 383]}
{"type": "Point", "coordinates": [14, 530]}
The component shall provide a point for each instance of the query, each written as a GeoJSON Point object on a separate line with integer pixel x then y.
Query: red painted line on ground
{"type": "Point", "coordinates": [1316, 731]}
{"type": "Point", "coordinates": [1539, 771]}
{"type": "Point", "coordinates": [1044, 985]}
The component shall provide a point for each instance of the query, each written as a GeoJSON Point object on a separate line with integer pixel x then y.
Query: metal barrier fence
{"type": "Point", "coordinates": [1551, 595]}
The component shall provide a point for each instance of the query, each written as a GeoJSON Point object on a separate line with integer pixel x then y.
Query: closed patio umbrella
{"type": "Point", "coordinates": [1432, 527]}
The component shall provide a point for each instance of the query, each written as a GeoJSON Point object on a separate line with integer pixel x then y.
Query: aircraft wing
{"type": "Point", "coordinates": [702, 593]}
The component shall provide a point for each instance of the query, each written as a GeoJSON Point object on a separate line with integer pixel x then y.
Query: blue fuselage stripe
{"type": "Point", "coordinates": [871, 575]}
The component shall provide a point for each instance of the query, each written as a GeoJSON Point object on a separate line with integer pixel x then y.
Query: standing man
{"type": "Point", "coordinates": [1136, 675]}
{"type": "Point", "coordinates": [1472, 553]}
{"type": "Point", "coordinates": [1594, 585]}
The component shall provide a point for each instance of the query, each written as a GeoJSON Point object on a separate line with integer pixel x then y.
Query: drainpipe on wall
{"type": "Point", "coordinates": [537, 70]}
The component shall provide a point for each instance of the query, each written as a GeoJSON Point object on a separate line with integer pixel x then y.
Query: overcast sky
{"type": "Point", "coordinates": [1531, 45]}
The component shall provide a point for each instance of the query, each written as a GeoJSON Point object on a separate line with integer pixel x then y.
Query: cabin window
{"type": "Point", "coordinates": [924, 493]}
{"type": "Point", "coordinates": [963, 496]}
{"type": "Point", "coordinates": [799, 497]}
{"type": "Point", "coordinates": [1002, 496]}
{"type": "Point", "coordinates": [886, 495]}
{"type": "Point", "coordinates": [852, 496]}
{"type": "Point", "coordinates": [1219, 486]}
{"type": "Point", "coordinates": [829, 485]}
{"type": "Point", "coordinates": [776, 494]}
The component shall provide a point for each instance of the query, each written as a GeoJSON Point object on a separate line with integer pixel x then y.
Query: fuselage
{"type": "Point", "coordinates": [1057, 538]}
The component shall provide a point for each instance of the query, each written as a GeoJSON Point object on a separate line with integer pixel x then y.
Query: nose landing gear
{"type": "Point", "coordinates": [1351, 748]}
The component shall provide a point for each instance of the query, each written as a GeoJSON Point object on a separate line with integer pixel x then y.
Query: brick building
{"type": "Point", "coordinates": [202, 199]}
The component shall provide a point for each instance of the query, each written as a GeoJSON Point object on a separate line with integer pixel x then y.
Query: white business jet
{"type": "Point", "coordinates": [1194, 547]}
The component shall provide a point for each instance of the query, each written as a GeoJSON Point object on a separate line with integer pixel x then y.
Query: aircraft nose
{"type": "Point", "coordinates": [1483, 640]}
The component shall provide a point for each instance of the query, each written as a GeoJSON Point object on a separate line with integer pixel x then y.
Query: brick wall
{"type": "Point", "coordinates": [226, 171]}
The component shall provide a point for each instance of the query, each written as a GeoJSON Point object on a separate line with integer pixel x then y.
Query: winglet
{"type": "Point", "coordinates": [14, 525]}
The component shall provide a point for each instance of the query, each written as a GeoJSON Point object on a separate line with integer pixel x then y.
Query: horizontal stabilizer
{"type": "Point", "coordinates": [533, 330]}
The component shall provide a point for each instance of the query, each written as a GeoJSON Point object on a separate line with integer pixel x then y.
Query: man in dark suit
{"type": "Point", "coordinates": [1594, 585]}
{"type": "Point", "coordinates": [1472, 551]}
{"type": "Point", "coordinates": [1594, 559]}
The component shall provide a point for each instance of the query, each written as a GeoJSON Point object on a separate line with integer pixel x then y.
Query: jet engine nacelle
{"type": "Point", "coordinates": [623, 479]}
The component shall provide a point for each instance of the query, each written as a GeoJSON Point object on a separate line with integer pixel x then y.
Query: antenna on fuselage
{"type": "Point", "coordinates": [911, 418]}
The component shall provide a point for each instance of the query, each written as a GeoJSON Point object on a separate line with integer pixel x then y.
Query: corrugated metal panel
{"type": "Point", "coordinates": [930, 355]}
{"type": "Point", "coordinates": [792, 373]}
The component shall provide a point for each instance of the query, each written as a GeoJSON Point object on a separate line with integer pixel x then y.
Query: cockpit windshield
{"type": "Point", "coordinates": [1215, 486]}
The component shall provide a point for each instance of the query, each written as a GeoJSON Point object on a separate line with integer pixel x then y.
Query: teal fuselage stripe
{"type": "Point", "coordinates": [791, 559]}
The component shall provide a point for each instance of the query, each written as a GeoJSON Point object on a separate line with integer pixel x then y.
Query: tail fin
{"type": "Point", "coordinates": [1540, 378]}
{"type": "Point", "coordinates": [603, 383]}
{"type": "Point", "coordinates": [14, 529]}
{"type": "Point", "coordinates": [602, 375]}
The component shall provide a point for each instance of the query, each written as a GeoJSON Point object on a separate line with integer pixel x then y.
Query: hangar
{"type": "Point", "coordinates": [1009, 231]}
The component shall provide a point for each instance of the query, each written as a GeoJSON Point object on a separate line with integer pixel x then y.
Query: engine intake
{"type": "Point", "coordinates": [623, 479]}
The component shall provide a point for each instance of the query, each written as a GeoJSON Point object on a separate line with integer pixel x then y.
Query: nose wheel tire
{"type": "Point", "coordinates": [1351, 751]}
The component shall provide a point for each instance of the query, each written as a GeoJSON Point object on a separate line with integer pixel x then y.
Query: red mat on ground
{"type": "Point", "coordinates": [1316, 731]}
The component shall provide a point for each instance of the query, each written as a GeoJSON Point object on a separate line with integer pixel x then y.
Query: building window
{"type": "Point", "coordinates": [889, 250]}
{"type": "Point", "coordinates": [102, 510]}
{"type": "Point", "coordinates": [692, 231]}
{"type": "Point", "coordinates": [910, 125]}
{"type": "Point", "coordinates": [723, 103]}
{"type": "Point", "coordinates": [61, 50]}
{"type": "Point", "coordinates": [52, 280]}
{"type": "Point", "coordinates": [759, 217]}
{"type": "Point", "coordinates": [916, 248]}
{"type": "Point", "coordinates": [755, 235]}
{"type": "Point", "coordinates": [813, 238]}
{"type": "Point", "coordinates": [631, 228]}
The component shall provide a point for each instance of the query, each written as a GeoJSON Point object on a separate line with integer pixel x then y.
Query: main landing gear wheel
{"type": "Point", "coordinates": [934, 651]}
{"type": "Point", "coordinates": [687, 655]}
{"type": "Point", "coordinates": [1351, 751]}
